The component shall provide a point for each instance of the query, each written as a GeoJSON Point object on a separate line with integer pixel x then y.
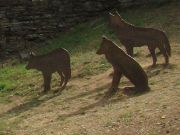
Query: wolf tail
{"type": "Point", "coordinates": [69, 68]}
{"type": "Point", "coordinates": [69, 73]}
{"type": "Point", "coordinates": [67, 65]}
{"type": "Point", "coordinates": [167, 45]}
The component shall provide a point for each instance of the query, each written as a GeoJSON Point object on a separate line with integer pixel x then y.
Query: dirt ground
{"type": "Point", "coordinates": [82, 108]}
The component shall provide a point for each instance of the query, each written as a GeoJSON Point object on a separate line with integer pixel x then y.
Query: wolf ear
{"type": "Point", "coordinates": [110, 14]}
{"type": "Point", "coordinates": [32, 54]}
{"type": "Point", "coordinates": [104, 37]}
{"type": "Point", "coordinates": [117, 13]}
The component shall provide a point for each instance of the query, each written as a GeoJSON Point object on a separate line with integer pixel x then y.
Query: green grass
{"type": "Point", "coordinates": [126, 117]}
{"type": "Point", "coordinates": [9, 77]}
{"type": "Point", "coordinates": [76, 134]}
{"type": "Point", "coordinates": [2, 127]}
{"type": "Point", "coordinates": [82, 38]}
{"type": "Point", "coordinates": [16, 80]}
{"type": "Point", "coordinates": [5, 127]}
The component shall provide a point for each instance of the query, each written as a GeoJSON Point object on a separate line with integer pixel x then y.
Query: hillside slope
{"type": "Point", "coordinates": [82, 108]}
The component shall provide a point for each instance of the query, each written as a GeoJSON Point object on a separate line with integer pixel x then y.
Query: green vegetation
{"type": "Point", "coordinates": [126, 117]}
{"type": "Point", "coordinates": [10, 77]}
{"type": "Point", "coordinates": [16, 80]}
{"type": "Point", "coordinates": [6, 125]}
{"type": "Point", "coordinates": [82, 38]}
{"type": "Point", "coordinates": [2, 126]}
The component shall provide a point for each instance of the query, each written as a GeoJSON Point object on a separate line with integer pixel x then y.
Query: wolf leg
{"type": "Point", "coordinates": [164, 52]}
{"type": "Point", "coordinates": [129, 50]}
{"type": "Point", "coordinates": [66, 78]}
{"type": "Point", "coordinates": [153, 54]}
{"type": "Point", "coordinates": [65, 83]}
{"type": "Point", "coordinates": [135, 90]}
{"type": "Point", "coordinates": [61, 82]}
{"type": "Point", "coordinates": [47, 81]}
{"type": "Point", "coordinates": [116, 79]}
{"type": "Point", "coordinates": [62, 78]}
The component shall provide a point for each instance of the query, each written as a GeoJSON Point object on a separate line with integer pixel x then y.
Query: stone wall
{"type": "Point", "coordinates": [38, 20]}
{"type": "Point", "coordinates": [41, 19]}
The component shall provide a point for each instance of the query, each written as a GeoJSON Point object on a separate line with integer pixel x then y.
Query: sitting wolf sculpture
{"type": "Point", "coordinates": [123, 64]}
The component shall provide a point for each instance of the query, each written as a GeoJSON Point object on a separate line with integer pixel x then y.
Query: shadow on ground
{"type": "Point", "coordinates": [38, 100]}
{"type": "Point", "coordinates": [87, 93]}
{"type": "Point", "coordinates": [156, 70]}
{"type": "Point", "coordinates": [108, 98]}
{"type": "Point", "coordinates": [104, 99]}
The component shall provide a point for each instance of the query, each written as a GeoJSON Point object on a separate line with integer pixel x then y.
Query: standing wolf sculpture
{"type": "Point", "coordinates": [131, 36]}
{"type": "Point", "coordinates": [123, 64]}
{"type": "Point", "coordinates": [56, 61]}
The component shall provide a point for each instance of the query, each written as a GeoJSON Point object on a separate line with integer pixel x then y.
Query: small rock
{"type": "Point", "coordinates": [163, 117]}
{"type": "Point", "coordinates": [158, 123]}
{"type": "Point", "coordinates": [113, 129]}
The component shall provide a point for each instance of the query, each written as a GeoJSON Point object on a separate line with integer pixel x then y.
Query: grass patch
{"type": "Point", "coordinates": [144, 16]}
{"type": "Point", "coordinates": [16, 80]}
{"type": "Point", "coordinates": [6, 127]}
{"type": "Point", "coordinates": [10, 77]}
{"type": "Point", "coordinates": [82, 38]}
{"type": "Point", "coordinates": [2, 127]}
{"type": "Point", "coordinates": [76, 134]}
{"type": "Point", "coordinates": [126, 117]}
{"type": "Point", "coordinates": [110, 124]}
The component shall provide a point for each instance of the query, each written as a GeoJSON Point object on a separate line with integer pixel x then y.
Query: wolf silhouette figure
{"type": "Point", "coordinates": [123, 64]}
{"type": "Point", "coordinates": [55, 61]}
{"type": "Point", "coordinates": [131, 36]}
